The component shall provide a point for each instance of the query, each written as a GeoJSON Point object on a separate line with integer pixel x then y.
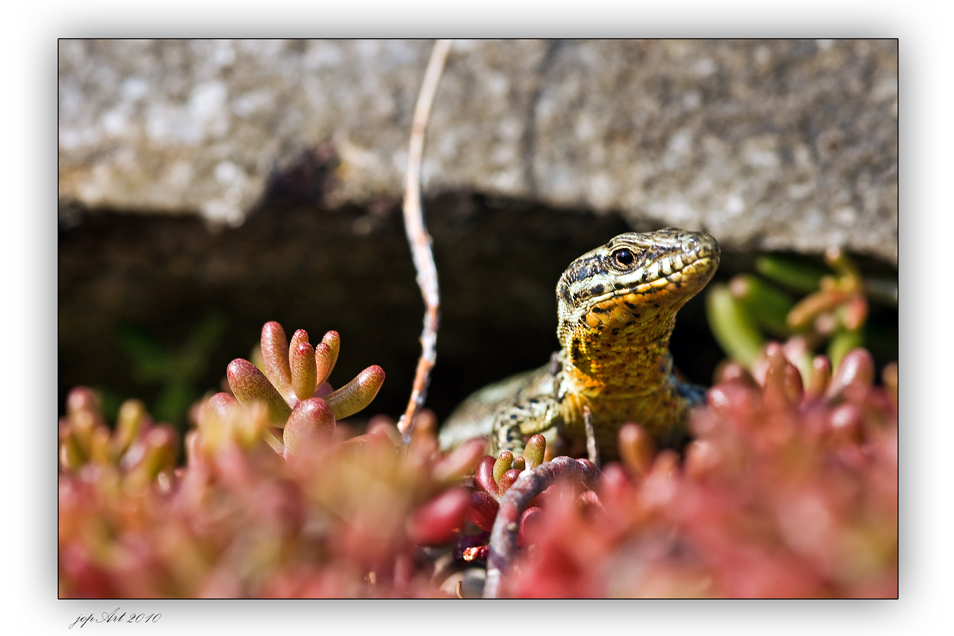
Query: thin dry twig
{"type": "Point", "coordinates": [592, 446]}
{"type": "Point", "coordinates": [530, 483]}
{"type": "Point", "coordinates": [418, 237]}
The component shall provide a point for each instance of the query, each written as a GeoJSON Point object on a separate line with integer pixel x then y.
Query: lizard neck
{"type": "Point", "coordinates": [619, 358]}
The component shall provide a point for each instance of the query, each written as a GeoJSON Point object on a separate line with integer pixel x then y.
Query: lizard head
{"type": "Point", "coordinates": [631, 288]}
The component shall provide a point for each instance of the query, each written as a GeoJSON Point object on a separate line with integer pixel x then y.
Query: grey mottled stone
{"type": "Point", "coordinates": [766, 144]}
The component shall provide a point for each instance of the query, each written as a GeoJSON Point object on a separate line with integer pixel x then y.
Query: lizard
{"type": "Point", "coordinates": [617, 307]}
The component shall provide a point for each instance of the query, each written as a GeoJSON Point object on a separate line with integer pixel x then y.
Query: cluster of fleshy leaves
{"type": "Point", "coordinates": [751, 310]}
{"type": "Point", "coordinates": [298, 402]}
{"type": "Point", "coordinates": [492, 479]}
{"type": "Point", "coordinates": [786, 491]}
{"type": "Point", "coordinates": [135, 452]}
{"type": "Point", "coordinates": [323, 515]}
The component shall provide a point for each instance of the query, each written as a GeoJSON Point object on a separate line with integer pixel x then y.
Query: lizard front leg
{"type": "Point", "coordinates": [513, 425]}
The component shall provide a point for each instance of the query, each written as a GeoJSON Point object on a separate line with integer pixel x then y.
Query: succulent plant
{"type": "Point", "coordinates": [135, 452]}
{"type": "Point", "coordinates": [789, 489]}
{"type": "Point", "coordinates": [293, 391]}
{"type": "Point", "coordinates": [326, 515]}
{"type": "Point", "coordinates": [786, 491]}
{"type": "Point", "coordinates": [750, 309]}
{"type": "Point", "coordinates": [493, 477]}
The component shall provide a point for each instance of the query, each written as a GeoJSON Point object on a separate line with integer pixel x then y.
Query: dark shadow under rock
{"type": "Point", "coordinates": [164, 279]}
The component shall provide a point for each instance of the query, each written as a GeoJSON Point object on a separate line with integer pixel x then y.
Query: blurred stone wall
{"type": "Point", "coordinates": [766, 144]}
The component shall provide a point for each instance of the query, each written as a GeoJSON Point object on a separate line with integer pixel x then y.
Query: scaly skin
{"type": "Point", "coordinates": [617, 310]}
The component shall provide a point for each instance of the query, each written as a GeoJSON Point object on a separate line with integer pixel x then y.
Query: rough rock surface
{"type": "Point", "coordinates": [766, 144]}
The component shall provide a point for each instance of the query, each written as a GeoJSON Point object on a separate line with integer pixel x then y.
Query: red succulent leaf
{"type": "Point", "coordinates": [312, 421]}
{"type": "Point", "coordinates": [440, 519]}
{"type": "Point", "coordinates": [250, 386]}
{"type": "Point", "coordinates": [303, 370]}
{"type": "Point", "coordinates": [275, 357]}
{"type": "Point", "coordinates": [529, 525]}
{"type": "Point", "coordinates": [483, 510]}
{"type": "Point", "coordinates": [484, 476]}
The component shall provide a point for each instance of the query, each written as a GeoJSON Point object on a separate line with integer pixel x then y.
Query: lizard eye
{"type": "Point", "coordinates": [624, 257]}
